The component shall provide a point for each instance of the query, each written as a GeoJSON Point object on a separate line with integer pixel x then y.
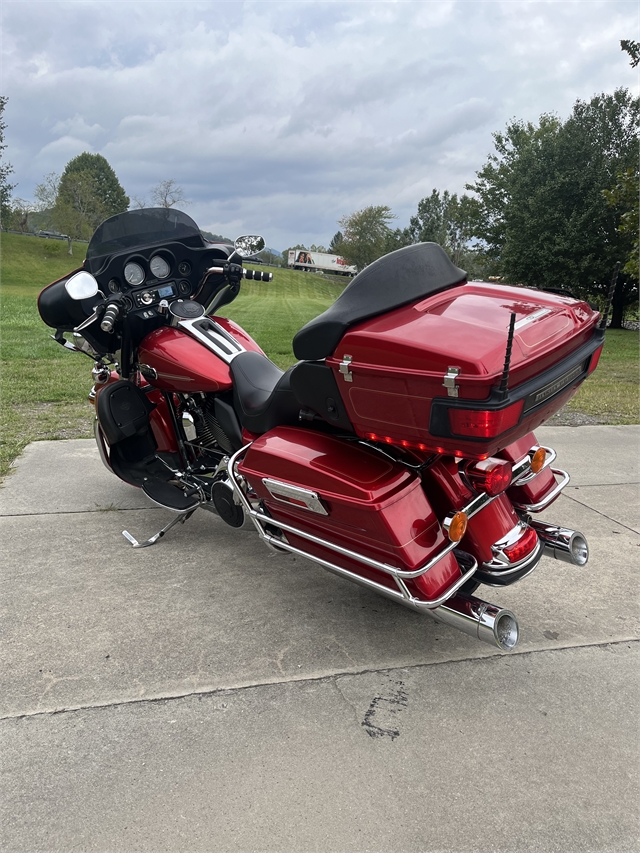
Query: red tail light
{"type": "Point", "coordinates": [484, 423]}
{"type": "Point", "coordinates": [523, 547]}
{"type": "Point", "coordinates": [595, 358]}
{"type": "Point", "coordinates": [492, 476]}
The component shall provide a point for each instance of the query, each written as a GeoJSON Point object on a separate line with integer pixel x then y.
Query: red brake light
{"type": "Point", "coordinates": [492, 476]}
{"type": "Point", "coordinates": [484, 423]}
{"type": "Point", "coordinates": [523, 547]}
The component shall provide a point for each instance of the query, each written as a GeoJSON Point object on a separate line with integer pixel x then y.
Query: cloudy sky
{"type": "Point", "coordinates": [281, 117]}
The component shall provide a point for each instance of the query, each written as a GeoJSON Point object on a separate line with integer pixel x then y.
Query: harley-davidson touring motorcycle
{"type": "Point", "coordinates": [399, 452]}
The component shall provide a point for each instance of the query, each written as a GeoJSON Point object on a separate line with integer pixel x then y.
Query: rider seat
{"type": "Point", "coordinates": [262, 393]}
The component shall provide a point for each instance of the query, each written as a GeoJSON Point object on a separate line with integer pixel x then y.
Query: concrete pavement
{"type": "Point", "coordinates": [205, 694]}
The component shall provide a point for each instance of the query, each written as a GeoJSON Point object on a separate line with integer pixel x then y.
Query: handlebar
{"type": "Point", "coordinates": [110, 316]}
{"type": "Point", "coordinates": [250, 275]}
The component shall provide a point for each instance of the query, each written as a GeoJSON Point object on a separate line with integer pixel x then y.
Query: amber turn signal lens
{"type": "Point", "coordinates": [537, 460]}
{"type": "Point", "coordinates": [458, 526]}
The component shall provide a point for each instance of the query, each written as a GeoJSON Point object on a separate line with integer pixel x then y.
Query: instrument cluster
{"type": "Point", "coordinates": [146, 279]}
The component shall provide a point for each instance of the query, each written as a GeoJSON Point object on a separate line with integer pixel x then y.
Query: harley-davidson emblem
{"type": "Point", "coordinates": [553, 387]}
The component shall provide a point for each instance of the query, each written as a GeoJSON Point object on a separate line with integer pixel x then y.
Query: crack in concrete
{"type": "Point", "coordinates": [604, 515]}
{"type": "Point", "coordinates": [222, 691]}
{"type": "Point", "coordinates": [82, 511]}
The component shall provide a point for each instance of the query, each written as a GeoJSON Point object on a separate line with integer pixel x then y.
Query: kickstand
{"type": "Point", "coordinates": [179, 519]}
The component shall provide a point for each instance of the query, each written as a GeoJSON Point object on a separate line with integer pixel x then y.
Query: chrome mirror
{"type": "Point", "coordinates": [249, 245]}
{"type": "Point", "coordinates": [82, 285]}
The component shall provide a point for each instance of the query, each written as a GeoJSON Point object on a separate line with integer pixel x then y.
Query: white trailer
{"type": "Point", "coordinates": [301, 259]}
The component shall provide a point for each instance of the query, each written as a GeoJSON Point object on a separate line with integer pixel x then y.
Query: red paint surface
{"type": "Point", "coordinates": [376, 507]}
{"type": "Point", "coordinates": [182, 363]}
{"type": "Point", "coordinates": [399, 359]}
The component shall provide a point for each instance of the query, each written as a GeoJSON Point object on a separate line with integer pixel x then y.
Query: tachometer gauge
{"type": "Point", "coordinates": [134, 273]}
{"type": "Point", "coordinates": [159, 267]}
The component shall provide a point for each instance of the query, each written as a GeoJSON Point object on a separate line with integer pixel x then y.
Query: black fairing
{"type": "Point", "coordinates": [396, 279]}
{"type": "Point", "coordinates": [145, 227]}
{"type": "Point", "coordinates": [59, 310]}
{"type": "Point", "coordinates": [123, 411]}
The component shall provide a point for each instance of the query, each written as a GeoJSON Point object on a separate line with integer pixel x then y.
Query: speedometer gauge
{"type": "Point", "coordinates": [159, 267]}
{"type": "Point", "coordinates": [134, 274]}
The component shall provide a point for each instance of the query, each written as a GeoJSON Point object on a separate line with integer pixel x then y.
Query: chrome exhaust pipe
{"type": "Point", "coordinates": [562, 544]}
{"type": "Point", "coordinates": [494, 625]}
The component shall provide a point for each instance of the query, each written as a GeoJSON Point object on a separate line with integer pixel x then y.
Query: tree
{"type": "Point", "coordinates": [107, 189]}
{"type": "Point", "coordinates": [167, 194]}
{"type": "Point", "coordinates": [446, 220]}
{"type": "Point", "coordinates": [543, 217]}
{"type": "Point", "coordinates": [87, 193]}
{"type": "Point", "coordinates": [21, 211]}
{"type": "Point", "coordinates": [79, 210]}
{"type": "Point", "coordinates": [46, 193]}
{"type": "Point", "coordinates": [624, 197]}
{"type": "Point", "coordinates": [366, 234]}
{"type": "Point", "coordinates": [633, 49]}
{"type": "Point", "coordinates": [335, 246]}
{"type": "Point", "coordinates": [5, 169]}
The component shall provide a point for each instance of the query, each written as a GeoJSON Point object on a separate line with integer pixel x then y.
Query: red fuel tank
{"type": "Point", "coordinates": [182, 363]}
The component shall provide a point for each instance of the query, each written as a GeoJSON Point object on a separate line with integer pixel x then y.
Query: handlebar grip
{"type": "Point", "coordinates": [110, 315]}
{"type": "Point", "coordinates": [257, 275]}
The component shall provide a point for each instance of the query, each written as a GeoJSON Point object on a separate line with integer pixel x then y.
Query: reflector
{"type": "Point", "coordinates": [538, 459]}
{"type": "Point", "coordinates": [458, 526]}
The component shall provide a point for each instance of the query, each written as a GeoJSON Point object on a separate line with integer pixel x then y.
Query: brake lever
{"type": "Point", "coordinates": [89, 320]}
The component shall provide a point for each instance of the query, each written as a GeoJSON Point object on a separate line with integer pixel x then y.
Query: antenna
{"type": "Point", "coordinates": [507, 358]}
{"type": "Point", "coordinates": [605, 314]}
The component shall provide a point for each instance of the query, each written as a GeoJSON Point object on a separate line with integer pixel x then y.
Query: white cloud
{"type": "Point", "coordinates": [292, 114]}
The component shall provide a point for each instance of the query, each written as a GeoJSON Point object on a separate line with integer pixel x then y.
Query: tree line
{"type": "Point", "coordinates": [555, 206]}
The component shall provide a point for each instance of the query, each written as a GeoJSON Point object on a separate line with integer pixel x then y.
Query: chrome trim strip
{"type": "Point", "coordinates": [553, 494]}
{"type": "Point", "coordinates": [541, 312]}
{"type": "Point", "coordinates": [218, 341]}
{"type": "Point", "coordinates": [306, 498]}
{"type": "Point", "coordinates": [102, 445]}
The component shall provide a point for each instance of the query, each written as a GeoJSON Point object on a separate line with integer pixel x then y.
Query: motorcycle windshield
{"type": "Point", "coordinates": [137, 228]}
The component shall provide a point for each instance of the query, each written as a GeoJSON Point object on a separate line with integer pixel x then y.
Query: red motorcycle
{"type": "Point", "coordinates": [398, 452]}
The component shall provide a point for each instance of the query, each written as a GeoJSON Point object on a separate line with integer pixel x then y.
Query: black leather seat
{"type": "Point", "coordinates": [262, 394]}
{"type": "Point", "coordinates": [396, 279]}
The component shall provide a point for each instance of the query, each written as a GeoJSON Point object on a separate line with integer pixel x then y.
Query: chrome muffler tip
{"type": "Point", "coordinates": [489, 623]}
{"type": "Point", "coordinates": [570, 546]}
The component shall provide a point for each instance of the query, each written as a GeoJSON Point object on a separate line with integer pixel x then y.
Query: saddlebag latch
{"type": "Point", "coordinates": [345, 368]}
{"type": "Point", "coordinates": [450, 381]}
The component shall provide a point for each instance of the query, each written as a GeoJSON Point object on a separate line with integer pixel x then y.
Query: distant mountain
{"type": "Point", "coordinates": [215, 238]}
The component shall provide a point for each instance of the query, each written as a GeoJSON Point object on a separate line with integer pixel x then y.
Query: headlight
{"type": "Point", "coordinates": [159, 267]}
{"type": "Point", "coordinates": [134, 274]}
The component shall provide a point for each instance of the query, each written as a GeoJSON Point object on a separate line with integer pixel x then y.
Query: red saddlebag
{"type": "Point", "coordinates": [366, 503]}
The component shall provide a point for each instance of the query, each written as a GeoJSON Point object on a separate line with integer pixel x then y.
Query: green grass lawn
{"type": "Point", "coordinates": [43, 388]}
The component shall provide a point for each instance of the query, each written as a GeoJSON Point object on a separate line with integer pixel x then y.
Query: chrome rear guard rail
{"type": "Point", "coordinates": [260, 520]}
{"type": "Point", "coordinates": [520, 474]}
{"type": "Point", "coordinates": [553, 494]}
